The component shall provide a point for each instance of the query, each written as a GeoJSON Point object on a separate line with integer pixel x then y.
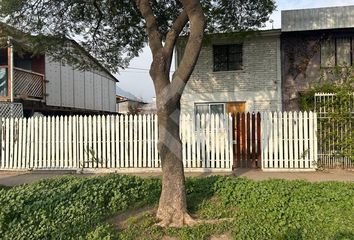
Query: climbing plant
{"type": "Point", "coordinates": [336, 112]}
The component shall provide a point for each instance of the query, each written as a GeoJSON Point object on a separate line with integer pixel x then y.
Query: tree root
{"type": "Point", "coordinates": [184, 219]}
{"type": "Point", "coordinates": [175, 220]}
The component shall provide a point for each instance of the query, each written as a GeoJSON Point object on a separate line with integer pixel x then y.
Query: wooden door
{"type": "Point", "coordinates": [247, 140]}
{"type": "Point", "coordinates": [235, 107]}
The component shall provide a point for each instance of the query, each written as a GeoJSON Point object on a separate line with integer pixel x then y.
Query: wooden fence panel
{"type": "Point", "coordinates": [288, 142]}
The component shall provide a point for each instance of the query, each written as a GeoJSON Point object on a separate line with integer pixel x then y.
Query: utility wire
{"type": "Point", "coordinates": [135, 68]}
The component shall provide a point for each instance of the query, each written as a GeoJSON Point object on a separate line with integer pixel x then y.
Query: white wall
{"type": "Point", "coordinates": [68, 87]}
{"type": "Point", "coordinates": [257, 84]}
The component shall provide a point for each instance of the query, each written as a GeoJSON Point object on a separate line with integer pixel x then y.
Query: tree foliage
{"type": "Point", "coordinates": [336, 113]}
{"type": "Point", "coordinates": [114, 31]}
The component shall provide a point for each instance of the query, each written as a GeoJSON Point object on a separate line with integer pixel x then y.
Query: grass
{"type": "Point", "coordinates": [81, 208]}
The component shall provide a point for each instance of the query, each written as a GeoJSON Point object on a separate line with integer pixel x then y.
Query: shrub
{"type": "Point", "coordinates": [339, 110]}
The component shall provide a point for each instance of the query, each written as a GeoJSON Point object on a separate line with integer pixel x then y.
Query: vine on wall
{"type": "Point", "coordinates": [337, 128]}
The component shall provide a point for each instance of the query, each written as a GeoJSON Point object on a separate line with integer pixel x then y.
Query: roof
{"type": "Point", "coordinates": [18, 34]}
{"type": "Point", "coordinates": [266, 32]}
{"type": "Point", "coordinates": [246, 33]}
{"type": "Point", "coordinates": [127, 95]}
{"type": "Point", "coordinates": [318, 19]}
{"type": "Point", "coordinates": [93, 59]}
{"type": "Point", "coordinates": [221, 37]}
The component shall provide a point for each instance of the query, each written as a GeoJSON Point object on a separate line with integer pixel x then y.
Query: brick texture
{"type": "Point", "coordinates": [257, 83]}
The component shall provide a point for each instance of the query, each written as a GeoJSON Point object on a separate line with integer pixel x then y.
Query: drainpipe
{"type": "Point", "coordinates": [11, 68]}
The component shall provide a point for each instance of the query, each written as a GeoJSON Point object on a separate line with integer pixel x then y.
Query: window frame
{"type": "Point", "coordinates": [209, 106]}
{"type": "Point", "coordinates": [335, 40]}
{"type": "Point", "coordinates": [228, 62]}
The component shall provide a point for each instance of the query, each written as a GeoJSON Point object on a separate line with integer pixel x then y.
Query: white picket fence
{"type": "Point", "coordinates": [289, 141]}
{"type": "Point", "coordinates": [207, 141]}
{"type": "Point", "coordinates": [111, 142]}
{"type": "Point", "coordinates": [130, 142]}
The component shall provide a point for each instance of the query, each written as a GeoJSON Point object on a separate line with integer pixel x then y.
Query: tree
{"type": "Point", "coordinates": [115, 31]}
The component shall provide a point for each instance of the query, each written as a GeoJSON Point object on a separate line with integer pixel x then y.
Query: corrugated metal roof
{"type": "Point", "coordinates": [318, 19]}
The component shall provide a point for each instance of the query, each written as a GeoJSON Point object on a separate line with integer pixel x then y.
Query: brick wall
{"type": "Point", "coordinates": [258, 83]}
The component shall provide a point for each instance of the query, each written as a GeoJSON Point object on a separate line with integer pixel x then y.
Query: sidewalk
{"type": "Point", "coordinates": [18, 178]}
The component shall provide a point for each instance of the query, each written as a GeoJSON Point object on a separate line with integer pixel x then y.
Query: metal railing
{"type": "Point", "coordinates": [331, 136]}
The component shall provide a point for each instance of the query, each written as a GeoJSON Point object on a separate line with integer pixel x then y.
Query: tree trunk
{"type": "Point", "coordinates": [172, 210]}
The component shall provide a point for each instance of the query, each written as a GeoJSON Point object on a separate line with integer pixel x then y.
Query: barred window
{"type": "Point", "coordinates": [227, 57]}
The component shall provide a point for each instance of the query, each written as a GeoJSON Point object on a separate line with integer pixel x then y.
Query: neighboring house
{"type": "Point", "coordinates": [150, 108]}
{"type": "Point", "coordinates": [127, 102]}
{"type": "Point", "coordinates": [235, 72]}
{"type": "Point", "coordinates": [50, 87]}
{"type": "Point", "coordinates": [313, 41]}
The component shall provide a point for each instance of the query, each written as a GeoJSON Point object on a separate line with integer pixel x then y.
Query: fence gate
{"type": "Point", "coordinates": [246, 129]}
{"type": "Point", "coordinates": [330, 135]}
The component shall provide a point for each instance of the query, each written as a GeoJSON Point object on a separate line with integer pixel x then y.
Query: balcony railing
{"type": "Point", "coordinates": [28, 84]}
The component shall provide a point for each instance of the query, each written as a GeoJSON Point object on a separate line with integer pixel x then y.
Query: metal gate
{"type": "Point", "coordinates": [328, 156]}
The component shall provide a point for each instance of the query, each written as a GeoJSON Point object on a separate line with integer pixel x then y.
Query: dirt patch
{"type": "Point", "coordinates": [120, 221]}
{"type": "Point", "coordinates": [226, 236]}
{"type": "Point", "coordinates": [169, 238]}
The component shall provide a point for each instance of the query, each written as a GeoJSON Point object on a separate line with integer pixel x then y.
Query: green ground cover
{"type": "Point", "coordinates": [83, 208]}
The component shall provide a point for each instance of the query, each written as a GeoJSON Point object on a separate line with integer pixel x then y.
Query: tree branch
{"type": "Point", "coordinates": [100, 17]}
{"type": "Point", "coordinates": [155, 40]}
{"type": "Point", "coordinates": [196, 18]}
{"type": "Point", "coordinates": [172, 36]}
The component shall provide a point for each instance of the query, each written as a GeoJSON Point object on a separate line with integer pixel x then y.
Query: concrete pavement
{"type": "Point", "coordinates": [18, 178]}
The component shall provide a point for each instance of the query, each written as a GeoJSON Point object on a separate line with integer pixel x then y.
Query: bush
{"type": "Point", "coordinates": [336, 130]}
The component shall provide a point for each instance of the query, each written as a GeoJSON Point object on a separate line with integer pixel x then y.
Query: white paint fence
{"type": "Point", "coordinates": [207, 141]}
{"type": "Point", "coordinates": [113, 142]}
{"type": "Point", "coordinates": [130, 142]}
{"type": "Point", "coordinates": [289, 141]}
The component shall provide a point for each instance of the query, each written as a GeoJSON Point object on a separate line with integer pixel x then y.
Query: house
{"type": "Point", "coordinates": [235, 72]}
{"type": "Point", "coordinates": [313, 42]}
{"type": "Point", "coordinates": [150, 108]}
{"type": "Point", "coordinates": [268, 70]}
{"type": "Point", "coordinates": [49, 86]}
{"type": "Point", "coordinates": [127, 102]}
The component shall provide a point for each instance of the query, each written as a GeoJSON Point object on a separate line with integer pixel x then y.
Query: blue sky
{"type": "Point", "coordinates": [137, 81]}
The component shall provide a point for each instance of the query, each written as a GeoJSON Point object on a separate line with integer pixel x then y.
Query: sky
{"type": "Point", "coordinates": [136, 80]}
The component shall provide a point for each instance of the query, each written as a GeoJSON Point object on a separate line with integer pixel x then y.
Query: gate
{"type": "Point", "coordinates": [332, 136]}
{"type": "Point", "coordinates": [246, 128]}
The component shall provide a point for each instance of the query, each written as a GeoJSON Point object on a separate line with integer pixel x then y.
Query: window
{"type": "Point", "coordinates": [3, 82]}
{"type": "Point", "coordinates": [209, 108]}
{"type": "Point", "coordinates": [336, 52]}
{"type": "Point", "coordinates": [227, 57]}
